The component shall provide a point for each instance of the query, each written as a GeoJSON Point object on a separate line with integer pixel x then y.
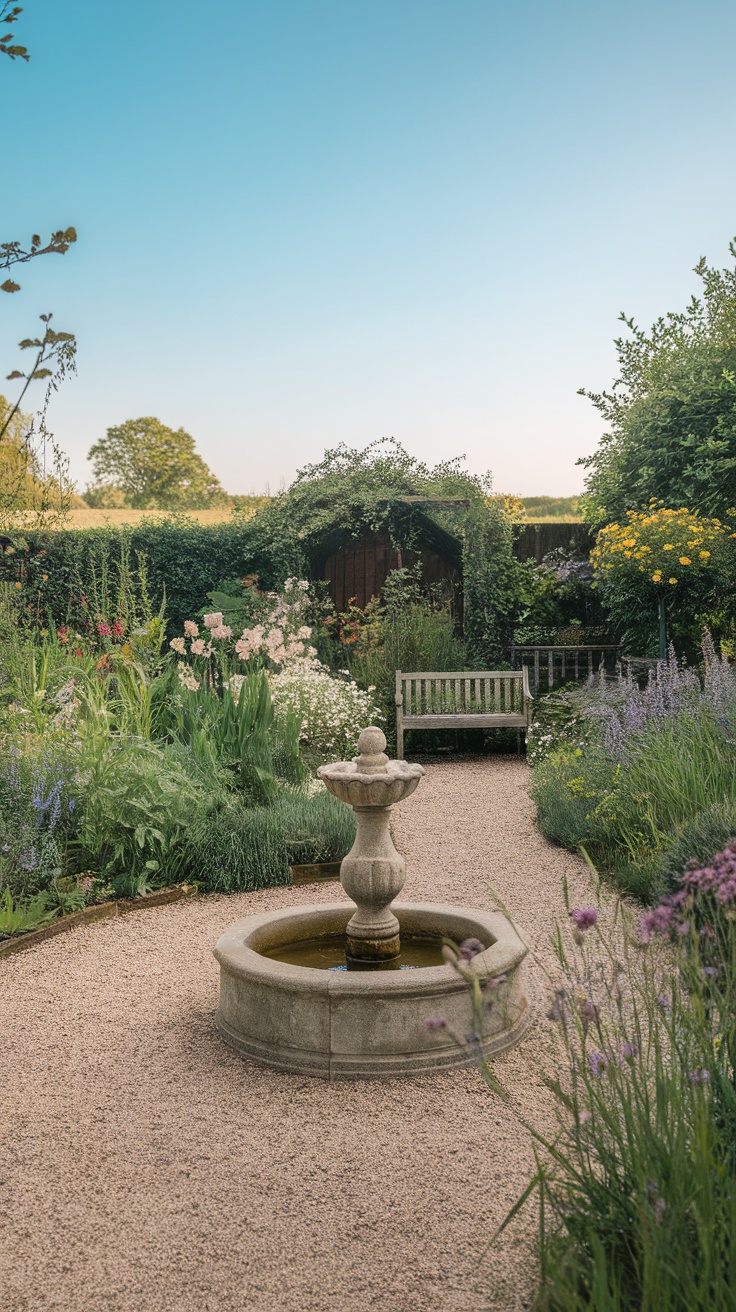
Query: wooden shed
{"type": "Point", "coordinates": [356, 568]}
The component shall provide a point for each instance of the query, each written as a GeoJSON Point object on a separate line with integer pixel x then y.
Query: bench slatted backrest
{"type": "Point", "coordinates": [460, 692]}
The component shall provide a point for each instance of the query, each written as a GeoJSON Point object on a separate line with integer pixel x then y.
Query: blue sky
{"type": "Point", "coordinates": [310, 221]}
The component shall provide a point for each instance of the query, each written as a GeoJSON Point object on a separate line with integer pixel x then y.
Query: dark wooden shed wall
{"type": "Point", "coordinates": [359, 570]}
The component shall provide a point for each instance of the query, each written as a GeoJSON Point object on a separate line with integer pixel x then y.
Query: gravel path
{"type": "Point", "coordinates": [146, 1168]}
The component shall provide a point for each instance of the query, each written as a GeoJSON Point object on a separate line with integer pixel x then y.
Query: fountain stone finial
{"type": "Point", "coordinates": [373, 872]}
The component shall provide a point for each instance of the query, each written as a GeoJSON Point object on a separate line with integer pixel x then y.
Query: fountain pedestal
{"type": "Point", "coordinates": [369, 1020]}
{"type": "Point", "coordinates": [373, 872]}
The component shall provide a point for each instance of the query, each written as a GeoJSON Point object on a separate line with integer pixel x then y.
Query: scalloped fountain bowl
{"type": "Point", "coordinates": [360, 1007]}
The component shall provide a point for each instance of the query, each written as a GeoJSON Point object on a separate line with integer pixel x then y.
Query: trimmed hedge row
{"type": "Point", "coordinates": [184, 561]}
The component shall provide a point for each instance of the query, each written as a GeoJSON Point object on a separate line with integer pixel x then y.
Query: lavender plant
{"type": "Point", "coordinates": [649, 762]}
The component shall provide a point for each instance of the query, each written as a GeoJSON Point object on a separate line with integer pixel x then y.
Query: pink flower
{"type": "Point", "coordinates": [197, 647]}
{"type": "Point", "coordinates": [214, 620]}
{"type": "Point", "coordinates": [104, 630]}
{"type": "Point", "coordinates": [221, 630]}
{"type": "Point", "coordinates": [191, 630]}
{"type": "Point", "coordinates": [178, 645]}
{"type": "Point", "coordinates": [117, 629]}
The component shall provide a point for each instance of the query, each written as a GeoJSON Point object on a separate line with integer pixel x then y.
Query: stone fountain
{"type": "Point", "coordinates": [345, 989]}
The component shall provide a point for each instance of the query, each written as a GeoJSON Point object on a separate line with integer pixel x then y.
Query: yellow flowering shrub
{"type": "Point", "coordinates": [658, 546]}
{"type": "Point", "coordinates": [661, 553]}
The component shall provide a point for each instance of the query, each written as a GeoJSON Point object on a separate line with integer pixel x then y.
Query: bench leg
{"type": "Point", "coordinates": [518, 742]}
{"type": "Point", "coordinates": [399, 739]}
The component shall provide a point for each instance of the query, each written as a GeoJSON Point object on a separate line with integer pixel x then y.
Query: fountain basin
{"type": "Point", "coordinates": [358, 1023]}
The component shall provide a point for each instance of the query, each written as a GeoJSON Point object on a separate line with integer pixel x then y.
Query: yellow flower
{"type": "Point", "coordinates": [704, 555]}
{"type": "Point", "coordinates": [685, 560]}
{"type": "Point", "coordinates": [628, 555]}
{"type": "Point", "coordinates": [18, 585]}
{"type": "Point", "coordinates": [657, 578]}
{"type": "Point", "coordinates": [630, 542]}
{"type": "Point", "coordinates": [673, 580]}
{"type": "Point", "coordinates": [668, 546]}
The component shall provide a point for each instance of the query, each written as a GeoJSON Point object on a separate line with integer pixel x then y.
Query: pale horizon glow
{"type": "Point", "coordinates": [307, 224]}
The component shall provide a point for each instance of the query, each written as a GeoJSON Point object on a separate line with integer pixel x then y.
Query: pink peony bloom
{"type": "Point", "coordinates": [197, 647]}
{"type": "Point", "coordinates": [221, 631]}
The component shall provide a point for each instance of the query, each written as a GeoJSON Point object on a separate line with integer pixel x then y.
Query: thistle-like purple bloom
{"type": "Point", "coordinates": [584, 917]}
{"type": "Point", "coordinates": [701, 1076]}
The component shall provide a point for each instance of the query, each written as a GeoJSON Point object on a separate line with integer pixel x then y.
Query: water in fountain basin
{"type": "Point", "coordinates": [329, 954]}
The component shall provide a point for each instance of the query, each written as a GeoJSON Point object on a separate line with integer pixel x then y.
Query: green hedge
{"type": "Point", "coordinates": [184, 561]}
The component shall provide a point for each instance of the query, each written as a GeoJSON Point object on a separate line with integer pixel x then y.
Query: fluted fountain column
{"type": "Point", "coordinates": [373, 872]}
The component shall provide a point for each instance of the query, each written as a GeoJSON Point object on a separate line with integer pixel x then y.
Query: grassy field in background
{"type": "Point", "coordinates": [115, 518]}
{"type": "Point", "coordinates": [550, 510]}
{"type": "Point", "coordinates": [539, 510]}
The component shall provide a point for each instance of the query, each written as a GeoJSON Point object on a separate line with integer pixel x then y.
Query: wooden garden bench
{"type": "Point", "coordinates": [475, 699]}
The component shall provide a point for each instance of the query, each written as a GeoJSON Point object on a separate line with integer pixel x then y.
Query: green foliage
{"type": "Point", "coordinates": [405, 630]}
{"type": "Point", "coordinates": [184, 561]}
{"type": "Point", "coordinates": [561, 605]}
{"type": "Point", "coordinates": [236, 734]}
{"type": "Point", "coordinates": [493, 583]}
{"type": "Point", "coordinates": [636, 1192]}
{"type": "Point", "coordinates": [671, 413]}
{"type": "Point", "coordinates": [22, 919]}
{"type": "Point", "coordinates": [236, 848]}
{"type": "Point", "coordinates": [9, 13]}
{"type": "Point", "coordinates": [697, 839]}
{"type": "Point", "coordinates": [154, 466]}
{"type": "Point", "coordinates": [631, 800]}
{"type": "Point", "coordinates": [136, 806]}
{"type": "Point", "coordinates": [676, 559]}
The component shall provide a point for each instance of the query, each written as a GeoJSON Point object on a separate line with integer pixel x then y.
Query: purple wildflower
{"type": "Point", "coordinates": [598, 1063]}
{"type": "Point", "coordinates": [629, 1051]}
{"type": "Point", "coordinates": [701, 1076]}
{"type": "Point", "coordinates": [663, 1002]}
{"type": "Point", "coordinates": [436, 1023]}
{"type": "Point", "coordinates": [587, 1011]}
{"type": "Point", "coordinates": [584, 917]}
{"type": "Point", "coordinates": [709, 972]}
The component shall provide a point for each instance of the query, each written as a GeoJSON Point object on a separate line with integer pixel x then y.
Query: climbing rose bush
{"type": "Point", "coordinates": [332, 708]}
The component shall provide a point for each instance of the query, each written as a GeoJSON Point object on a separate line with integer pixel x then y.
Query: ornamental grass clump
{"type": "Point", "coordinates": [637, 1189]}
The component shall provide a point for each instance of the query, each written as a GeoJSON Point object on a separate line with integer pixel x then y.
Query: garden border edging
{"type": "Point", "coordinates": [120, 907]}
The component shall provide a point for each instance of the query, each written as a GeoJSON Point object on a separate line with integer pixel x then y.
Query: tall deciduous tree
{"type": "Point", "coordinates": [671, 413]}
{"type": "Point", "coordinates": [154, 466]}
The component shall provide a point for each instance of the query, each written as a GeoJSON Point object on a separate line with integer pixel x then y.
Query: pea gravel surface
{"type": "Point", "coordinates": [144, 1167]}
